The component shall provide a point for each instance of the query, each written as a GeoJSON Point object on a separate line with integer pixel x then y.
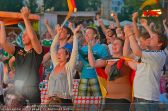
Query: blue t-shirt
{"type": "Point", "coordinates": [164, 101]}
{"type": "Point", "coordinates": [163, 98]}
{"type": "Point", "coordinates": [67, 46]}
{"type": "Point", "coordinates": [99, 51]}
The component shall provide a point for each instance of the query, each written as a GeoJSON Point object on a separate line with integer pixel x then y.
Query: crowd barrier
{"type": "Point", "coordinates": [79, 102]}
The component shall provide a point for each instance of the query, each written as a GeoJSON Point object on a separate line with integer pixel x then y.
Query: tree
{"type": "Point", "coordinates": [32, 5]}
{"type": "Point", "coordinates": [59, 5]}
{"type": "Point", "coordinates": [11, 5]}
{"type": "Point", "coordinates": [82, 5]}
{"type": "Point", "coordinates": [90, 5]}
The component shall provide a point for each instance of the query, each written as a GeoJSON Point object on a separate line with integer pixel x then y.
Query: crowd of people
{"type": "Point", "coordinates": [132, 57]}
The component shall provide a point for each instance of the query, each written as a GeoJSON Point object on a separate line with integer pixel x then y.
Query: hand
{"type": "Point", "coordinates": [90, 44]}
{"type": "Point", "coordinates": [58, 29]}
{"type": "Point", "coordinates": [1, 24]}
{"type": "Point", "coordinates": [46, 21]}
{"type": "Point", "coordinates": [78, 28]}
{"type": "Point", "coordinates": [110, 63]}
{"type": "Point", "coordinates": [164, 21]}
{"type": "Point", "coordinates": [70, 25]}
{"type": "Point", "coordinates": [108, 66]}
{"type": "Point", "coordinates": [114, 16]}
{"type": "Point", "coordinates": [128, 29]}
{"type": "Point", "coordinates": [112, 26]}
{"type": "Point", "coordinates": [97, 17]}
{"type": "Point", "coordinates": [100, 21]}
{"type": "Point", "coordinates": [143, 22]}
{"type": "Point", "coordinates": [118, 31]}
{"type": "Point", "coordinates": [25, 12]}
{"type": "Point", "coordinates": [134, 16]}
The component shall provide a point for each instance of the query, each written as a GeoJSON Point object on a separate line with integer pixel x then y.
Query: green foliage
{"type": "Point", "coordinates": [11, 5]}
{"type": "Point", "coordinates": [32, 5]}
{"type": "Point", "coordinates": [82, 5]}
{"type": "Point", "coordinates": [90, 5]}
{"type": "Point", "coordinates": [133, 3]}
{"type": "Point", "coordinates": [59, 5]}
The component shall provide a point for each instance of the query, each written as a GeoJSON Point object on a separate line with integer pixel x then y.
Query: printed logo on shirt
{"type": "Point", "coordinates": [23, 52]}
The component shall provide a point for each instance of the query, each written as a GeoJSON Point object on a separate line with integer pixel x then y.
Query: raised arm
{"type": "Point", "coordinates": [53, 48]}
{"type": "Point", "coordinates": [128, 53]}
{"type": "Point", "coordinates": [31, 34]}
{"type": "Point", "coordinates": [11, 63]}
{"type": "Point", "coordinates": [73, 58]}
{"type": "Point", "coordinates": [116, 19]}
{"type": "Point", "coordinates": [46, 57]}
{"type": "Point", "coordinates": [70, 25]}
{"type": "Point", "coordinates": [120, 34]}
{"type": "Point", "coordinates": [100, 21]}
{"type": "Point", "coordinates": [101, 24]}
{"type": "Point", "coordinates": [94, 63]}
{"type": "Point", "coordinates": [126, 48]}
{"type": "Point", "coordinates": [133, 42]}
{"type": "Point", "coordinates": [8, 47]}
{"type": "Point", "coordinates": [165, 26]}
{"type": "Point", "coordinates": [49, 28]}
{"type": "Point", "coordinates": [135, 27]}
{"type": "Point", "coordinates": [6, 74]}
{"type": "Point", "coordinates": [144, 23]}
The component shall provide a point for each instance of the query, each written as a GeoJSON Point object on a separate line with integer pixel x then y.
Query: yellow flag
{"type": "Point", "coordinates": [35, 25]}
{"type": "Point", "coordinates": [148, 3]}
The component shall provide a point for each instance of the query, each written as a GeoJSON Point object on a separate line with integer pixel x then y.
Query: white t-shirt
{"type": "Point", "coordinates": [110, 49]}
{"type": "Point", "coordinates": [148, 73]}
{"type": "Point", "coordinates": [166, 50]}
{"type": "Point", "coordinates": [1, 77]}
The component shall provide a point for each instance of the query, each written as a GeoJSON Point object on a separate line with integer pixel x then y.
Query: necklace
{"type": "Point", "coordinates": [27, 50]}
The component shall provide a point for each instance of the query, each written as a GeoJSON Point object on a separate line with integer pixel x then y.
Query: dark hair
{"type": "Point", "coordinates": [145, 35]}
{"type": "Point", "coordinates": [69, 31]}
{"type": "Point", "coordinates": [113, 31]}
{"type": "Point", "coordinates": [162, 39]}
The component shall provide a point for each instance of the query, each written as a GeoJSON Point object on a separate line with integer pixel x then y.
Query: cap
{"type": "Point", "coordinates": [68, 47]}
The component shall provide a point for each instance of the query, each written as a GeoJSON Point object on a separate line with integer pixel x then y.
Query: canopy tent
{"type": "Point", "coordinates": [125, 22]}
{"type": "Point", "coordinates": [105, 21]}
{"type": "Point", "coordinates": [10, 18]}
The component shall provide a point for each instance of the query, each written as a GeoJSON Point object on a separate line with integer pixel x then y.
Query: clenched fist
{"type": "Point", "coordinates": [25, 12]}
